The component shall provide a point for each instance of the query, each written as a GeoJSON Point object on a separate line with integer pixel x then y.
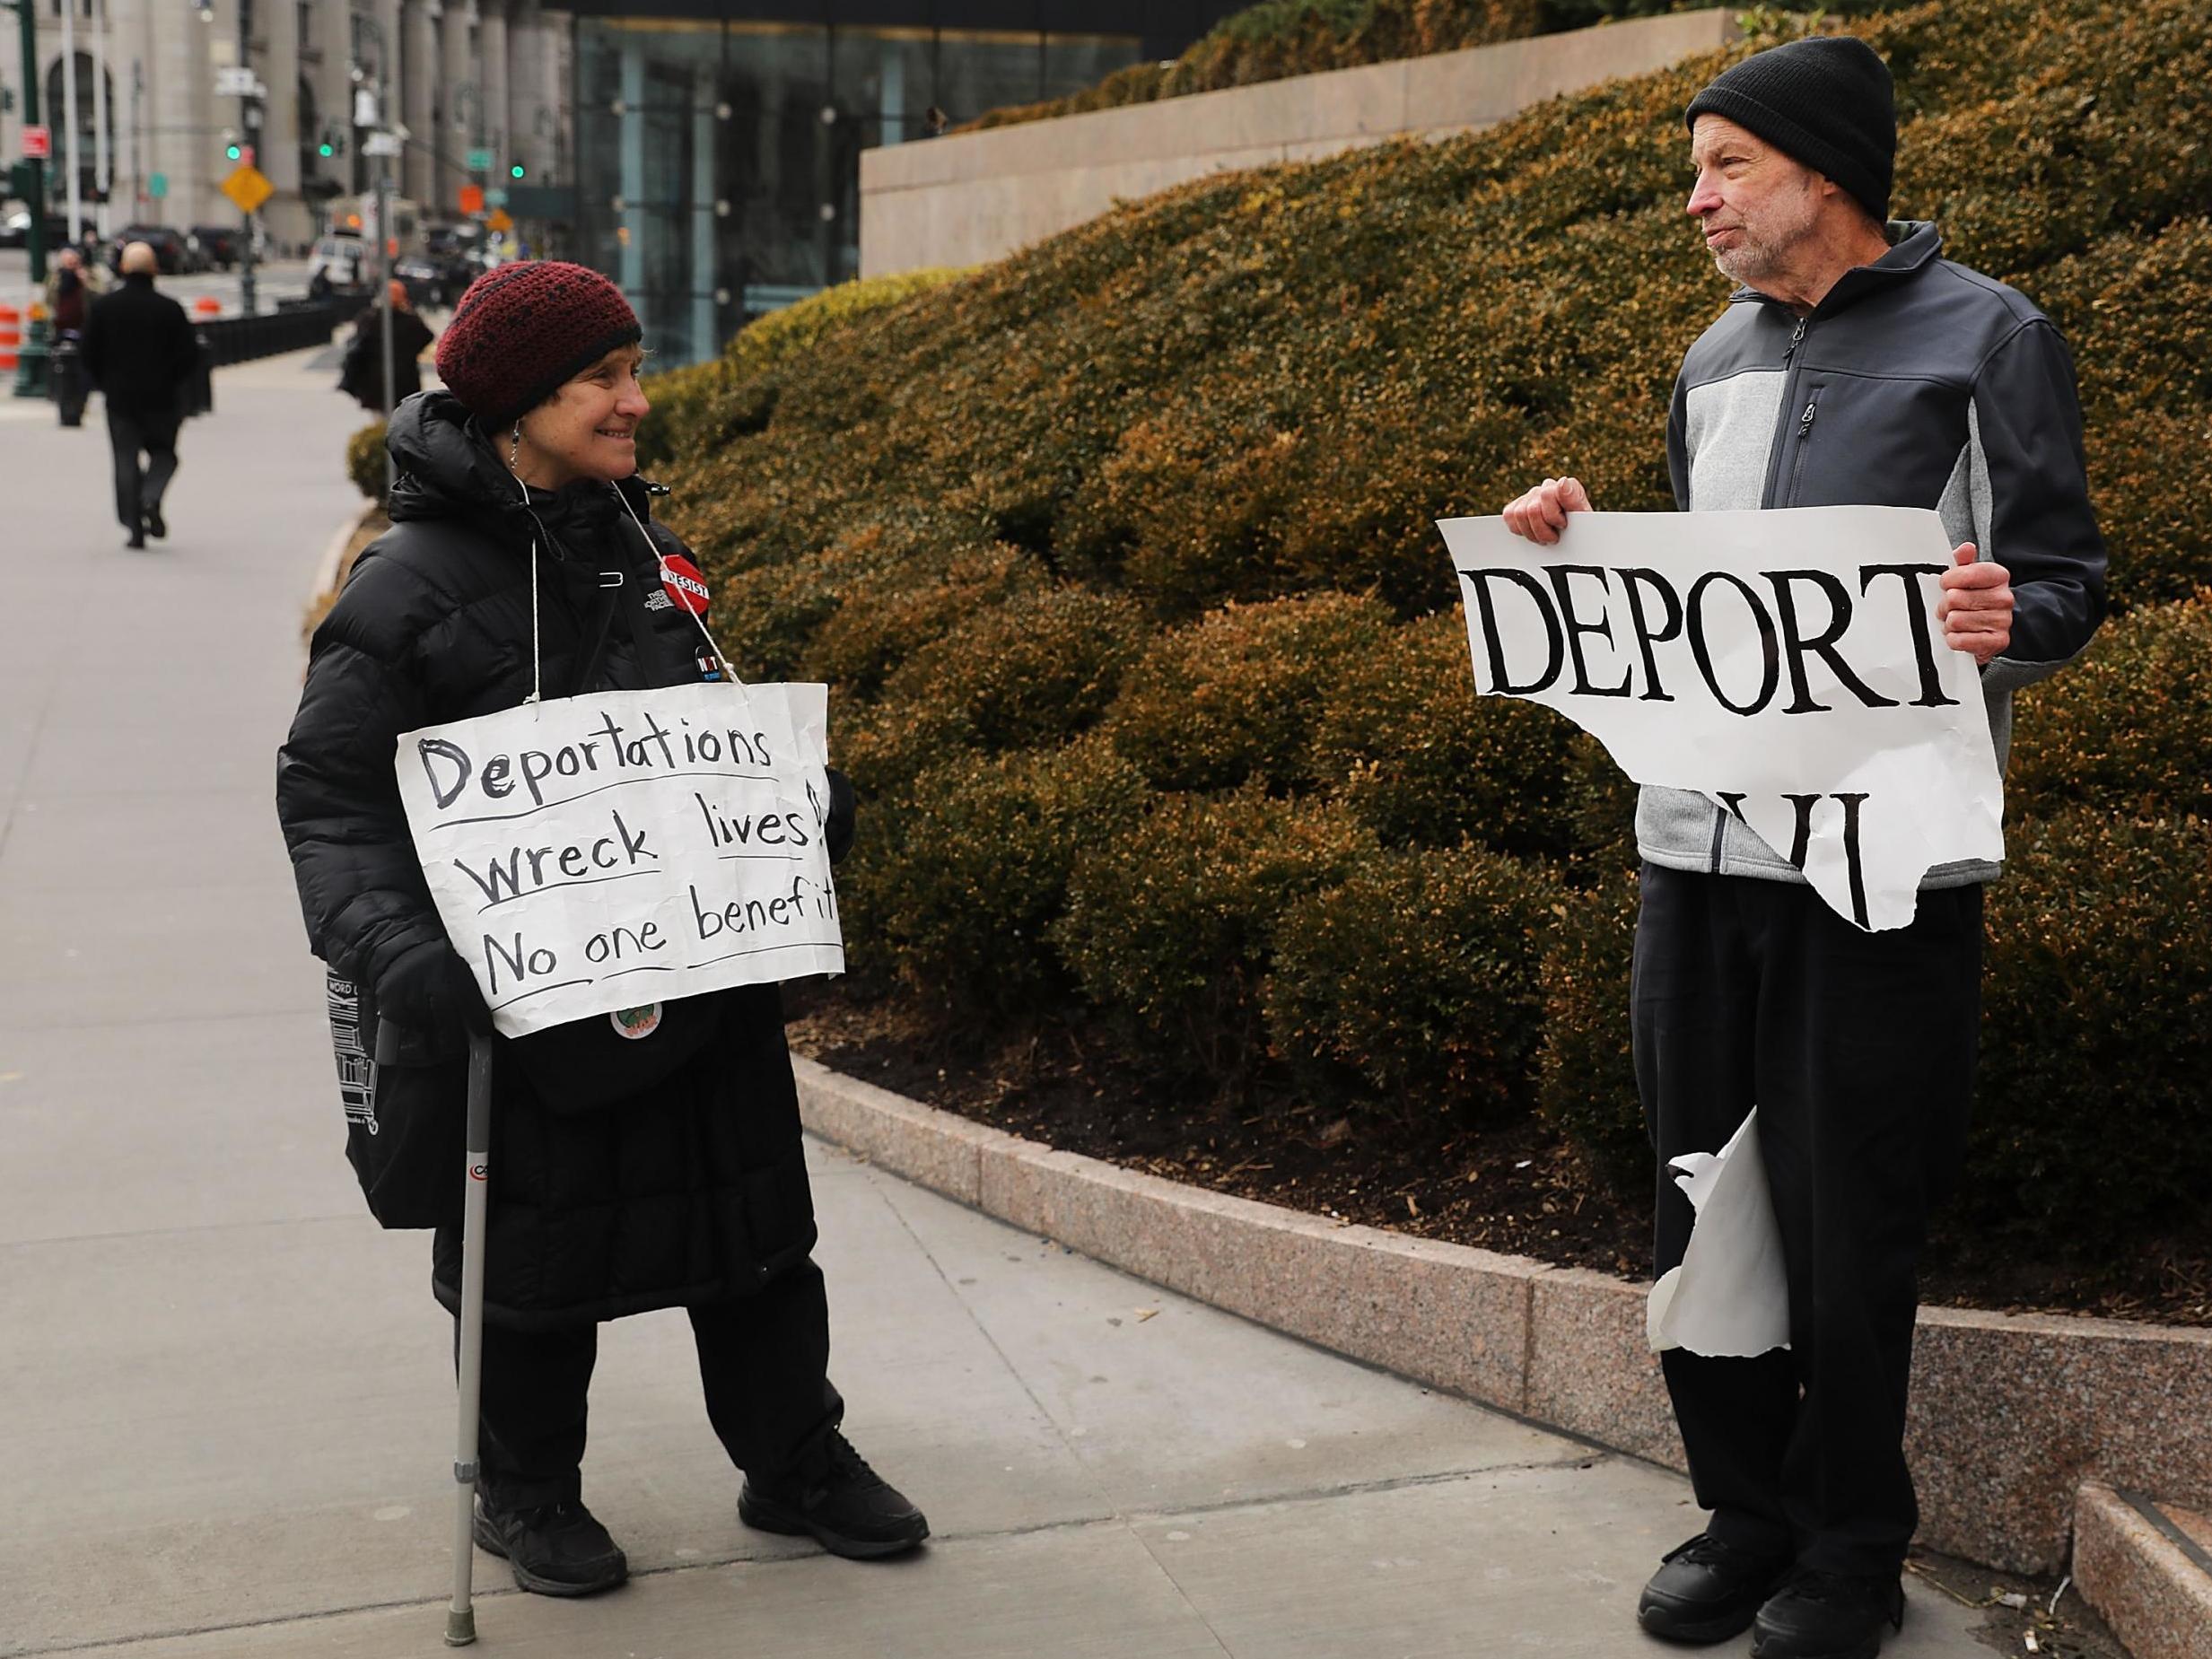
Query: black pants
{"type": "Point", "coordinates": [1859, 1051]}
{"type": "Point", "coordinates": [764, 1360]}
{"type": "Point", "coordinates": [138, 489]}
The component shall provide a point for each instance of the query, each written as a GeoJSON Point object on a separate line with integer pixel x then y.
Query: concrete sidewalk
{"type": "Point", "coordinates": [227, 1397]}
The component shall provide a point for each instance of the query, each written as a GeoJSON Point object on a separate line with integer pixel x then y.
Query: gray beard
{"type": "Point", "coordinates": [1744, 266]}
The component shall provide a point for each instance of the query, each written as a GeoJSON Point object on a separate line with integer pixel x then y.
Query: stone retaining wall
{"type": "Point", "coordinates": [2010, 1413]}
{"type": "Point", "coordinates": [976, 197]}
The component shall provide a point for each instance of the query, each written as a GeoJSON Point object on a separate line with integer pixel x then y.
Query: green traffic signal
{"type": "Point", "coordinates": [234, 152]}
{"type": "Point", "coordinates": [326, 151]}
{"type": "Point", "coordinates": [515, 171]}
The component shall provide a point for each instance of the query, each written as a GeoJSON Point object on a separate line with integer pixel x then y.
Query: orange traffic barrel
{"type": "Point", "coordinates": [11, 336]}
{"type": "Point", "coordinates": [207, 305]}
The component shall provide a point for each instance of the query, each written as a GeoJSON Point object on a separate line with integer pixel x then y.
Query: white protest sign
{"type": "Point", "coordinates": [628, 847]}
{"type": "Point", "coordinates": [1787, 664]}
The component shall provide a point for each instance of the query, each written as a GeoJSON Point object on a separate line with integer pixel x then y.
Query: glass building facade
{"type": "Point", "coordinates": [717, 160]}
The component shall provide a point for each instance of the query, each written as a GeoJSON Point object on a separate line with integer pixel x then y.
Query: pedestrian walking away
{"type": "Point", "coordinates": [140, 353]}
{"type": "Point", "coordinates": [649, 1164]}
{"type": "Point", "coordinates": [361, 374]}
{"type": "Point", "coordinates": [1854, 365]}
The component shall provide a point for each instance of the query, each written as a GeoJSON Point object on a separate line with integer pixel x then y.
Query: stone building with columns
{"type": "Point", "coordinates": [470, 79]}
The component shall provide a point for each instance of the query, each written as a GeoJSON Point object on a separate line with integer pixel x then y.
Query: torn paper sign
{"type": "Point", "coordinates": [1729, 1298]}
{"type": "Point", "coordinates": [1786, 664]}
{"type": "Point", "coordinates": [603, 854]}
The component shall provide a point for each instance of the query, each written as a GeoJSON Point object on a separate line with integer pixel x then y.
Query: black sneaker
{"type": "Point", "coordinates": [555, 1549]}
{"type": "Point", "coordinates": [1707, 1591]}
{"type": "Point", "coordinates": [1829, 1616]}
{"type": "Point", "coordinates": [156, 526]}
{"type": "Point", "coordinates": [843, 1506]}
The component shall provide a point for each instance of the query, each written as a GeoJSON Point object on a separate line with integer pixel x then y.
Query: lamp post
{"type": "Point", "coordinates": [368, 25]}
{"type": "Point", "coordinates": [249, 123]}
{"type": "Point", "coordinates": [30, 362]}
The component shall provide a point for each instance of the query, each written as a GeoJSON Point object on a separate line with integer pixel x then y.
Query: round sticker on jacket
{"type": "Point", "coordinates": [686, 586]}
{"type": "Point", "coordinates": [634, 1023]}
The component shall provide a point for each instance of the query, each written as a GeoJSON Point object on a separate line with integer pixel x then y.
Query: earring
{"type": "Point", "coordinates": [514, 451]}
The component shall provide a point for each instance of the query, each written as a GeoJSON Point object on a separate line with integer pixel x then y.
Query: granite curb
{"type": "Point", "coordinates": [2011, 1414]}
{"type": "Point", "coordinates": [2144, 1582]}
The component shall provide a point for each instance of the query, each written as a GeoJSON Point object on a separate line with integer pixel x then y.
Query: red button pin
{"type": "Point", "coordinates": [686, 586]}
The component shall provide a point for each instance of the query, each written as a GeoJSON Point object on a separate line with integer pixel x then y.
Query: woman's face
{"type": "Point", "coordinates": [587, 429]}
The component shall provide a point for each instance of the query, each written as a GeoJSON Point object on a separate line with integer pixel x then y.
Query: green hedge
{"type": "Point", "coordinates": [2090, 1128]}
{"type": "Point", "coordinates": [1173, 920]}
{"type": "Point", "coordinates": [364, 461]}
{"type": "Point", "coordinates": [961, 885]}
{"type": "Point", "coordinates": [1162, 489]}
{"type": "Point", "coordinates": [696, 405]}
{"type": "Point", "coordinates": [1411, 987]}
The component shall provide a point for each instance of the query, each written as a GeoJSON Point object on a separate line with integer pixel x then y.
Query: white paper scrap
{"type": "Point", "coordinates": [1729, 1298]}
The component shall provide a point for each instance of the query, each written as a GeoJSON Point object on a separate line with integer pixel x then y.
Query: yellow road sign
{"type": "Point", "coordinates": [249, 187]}
{"type": "Point", "coordinates": [500, 222]}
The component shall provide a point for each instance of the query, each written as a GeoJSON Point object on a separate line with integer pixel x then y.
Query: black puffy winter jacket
{"type": "Point", "coordinates": [693, 1188]}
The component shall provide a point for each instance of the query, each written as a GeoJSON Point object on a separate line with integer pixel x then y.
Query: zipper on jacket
{"type": "Point", "coordinates": [1805, 432]}
{"type": "Point", "coordinates": [1771, 493]}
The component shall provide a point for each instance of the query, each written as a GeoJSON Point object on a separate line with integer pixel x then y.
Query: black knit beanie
{"type": "Point", "coordinates": [1824, 101]}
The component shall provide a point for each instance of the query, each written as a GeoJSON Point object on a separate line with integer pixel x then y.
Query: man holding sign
{"type": "Point", "coordinates": [1854, 367]}
{"type": "Point", "coordinates": [516, 737]}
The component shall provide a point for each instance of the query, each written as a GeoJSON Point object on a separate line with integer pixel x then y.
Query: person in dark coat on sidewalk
{"type": "Point", "coordinates": [629, 1175]}
{"type": "Point", "coordinates": [361, 373]}
{"type": "Point", "coordinates": [140, 352]}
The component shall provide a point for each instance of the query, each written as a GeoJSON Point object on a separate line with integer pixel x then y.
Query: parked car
{"type": "Point", "coordinates": [425, 281]}
{"type": "Point", "coordinates": [339, 266]}
{"type": "Point", "coordinates": [218, 244]}
{"type": "Point", "coordinates": [15, 229]}
{"type": "Point", "coordinates": [173, 252]}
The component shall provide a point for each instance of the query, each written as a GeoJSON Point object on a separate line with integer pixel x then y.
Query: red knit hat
{"type": "Point", "coordinates": [522, 330]}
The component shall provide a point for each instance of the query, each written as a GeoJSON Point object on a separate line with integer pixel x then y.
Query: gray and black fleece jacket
{"type": "Point", "coordinates": [1915, 383]}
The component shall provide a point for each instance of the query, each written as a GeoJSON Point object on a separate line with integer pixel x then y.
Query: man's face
{"type": "Point", "coordinates": [1757, 205]}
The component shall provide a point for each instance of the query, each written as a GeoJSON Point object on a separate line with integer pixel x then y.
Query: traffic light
{"type": "Point", "coordinates": [325, 150]}
{"type": "Point", "coordinates": [516, 171]}
{"type": "Point", "coordinates": [234, 152]}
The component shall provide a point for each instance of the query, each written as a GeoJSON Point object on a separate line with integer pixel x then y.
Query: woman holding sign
{"type": "Point", "coordinates": [647, 1159]}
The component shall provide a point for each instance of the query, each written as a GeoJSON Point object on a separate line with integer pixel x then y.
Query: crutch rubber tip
{"type": "Point", "coordinates": [460, 1628]}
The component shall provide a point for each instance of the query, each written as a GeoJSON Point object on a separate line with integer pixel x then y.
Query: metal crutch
{"type": "Point", "coordinates": [461, 1619]}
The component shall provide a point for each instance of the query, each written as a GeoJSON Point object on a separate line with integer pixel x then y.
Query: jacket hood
{"type": "Point", "coordinates": [448, 469]}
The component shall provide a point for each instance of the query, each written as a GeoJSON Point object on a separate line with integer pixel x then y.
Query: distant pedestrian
{"type": "Point", "coordinates": [139, 350]}
{"type": "Point", "coordinates": [360, 376]}
{"type": "Point", "coordinates": [70, 291]}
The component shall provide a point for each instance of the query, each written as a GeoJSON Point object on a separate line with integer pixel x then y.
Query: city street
{"type": "Point", "coordinates": [228, 1395]}
{"type": "Point", "coordinates": [280, 279]}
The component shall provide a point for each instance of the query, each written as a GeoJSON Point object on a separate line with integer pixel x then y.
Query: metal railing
{"type": "Point", "coordinates": [294, 324]}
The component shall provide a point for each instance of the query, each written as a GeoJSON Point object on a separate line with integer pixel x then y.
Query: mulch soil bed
{"type": "Point", "coordinates": [1509, 1187]}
